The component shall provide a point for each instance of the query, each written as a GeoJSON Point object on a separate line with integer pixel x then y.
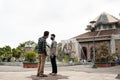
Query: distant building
{"type": "Point", "coordinates": [29, 47]}
{"type": "Point", "coordinates": [105, 29]}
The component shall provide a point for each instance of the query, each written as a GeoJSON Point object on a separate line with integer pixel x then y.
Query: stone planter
{"type": "Point", "coordinates": [30, 64]}
{"type": "Point", "coordinates": [113, 64]}
{"type": "Point", "coordinates": [103, 64]}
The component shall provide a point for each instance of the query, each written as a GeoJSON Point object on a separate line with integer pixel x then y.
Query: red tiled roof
{"type": "Point", "coordinates": [98, 34]}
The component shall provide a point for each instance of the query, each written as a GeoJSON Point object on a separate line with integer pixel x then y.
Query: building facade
{"type": "Point", "coordinates": [105, 29]}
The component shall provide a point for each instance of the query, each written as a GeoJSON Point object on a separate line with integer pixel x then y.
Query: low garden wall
{"type": "Point", "coordinates": [11, 63]}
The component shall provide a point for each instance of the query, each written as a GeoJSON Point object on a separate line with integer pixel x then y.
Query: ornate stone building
{"type": "Point", "coordinates": [29, 47]}
{"type": "Point", "coordinates": [105, 29]}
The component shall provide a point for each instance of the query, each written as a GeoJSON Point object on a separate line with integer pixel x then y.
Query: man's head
{"type": "Point", "coordinates": [46, 34]}
{"type": "Point", "coordinates": [52, 36]}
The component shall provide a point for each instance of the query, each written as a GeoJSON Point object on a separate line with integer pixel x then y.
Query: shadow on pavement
{"type": "Point", "coordinates": [34, 77]}
{"type": "Point", "coordinates": [118, 76]}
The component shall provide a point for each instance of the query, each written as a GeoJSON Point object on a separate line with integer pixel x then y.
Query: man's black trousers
{"type": "Point", "coordinates": [53, 63]}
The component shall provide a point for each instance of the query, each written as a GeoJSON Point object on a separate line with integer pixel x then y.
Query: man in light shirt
{"type": "Point", "coordinates": [53, 55]}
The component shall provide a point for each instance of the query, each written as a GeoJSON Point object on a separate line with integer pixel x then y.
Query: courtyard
{"type": "Point", "coordinates": [77, 72]}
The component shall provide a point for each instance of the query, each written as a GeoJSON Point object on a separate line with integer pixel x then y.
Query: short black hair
{"type": "Point", "coordinates": [46, 33]}
{"type": "Point", "coordinates": [53, 35]}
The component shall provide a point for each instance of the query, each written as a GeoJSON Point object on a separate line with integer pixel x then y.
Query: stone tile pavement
{"type": "Point", "coordinates": [63, 75]}
{"type": "Point", "coordinates": [79, 72]}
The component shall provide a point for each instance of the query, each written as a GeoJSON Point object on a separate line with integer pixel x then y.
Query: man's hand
{"type": "Point", "coordinates": [52, 55]}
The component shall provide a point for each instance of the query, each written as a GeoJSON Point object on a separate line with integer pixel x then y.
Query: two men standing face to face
{"type": "Point", "coordinates": [42, 53]}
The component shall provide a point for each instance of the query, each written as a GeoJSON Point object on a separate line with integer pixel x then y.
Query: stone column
{"type": "Point", "coordinates": [112, 44]}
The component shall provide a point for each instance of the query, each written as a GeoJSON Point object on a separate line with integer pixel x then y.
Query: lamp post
{"type": "Point", "coordinates": [93, 30]}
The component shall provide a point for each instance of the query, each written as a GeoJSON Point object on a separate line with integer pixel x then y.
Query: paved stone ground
{"type": "Point", "coordinates": [79, 72]}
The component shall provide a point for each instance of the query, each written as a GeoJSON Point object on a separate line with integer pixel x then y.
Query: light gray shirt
{"type": "Point", "coordinates": [53, 45]}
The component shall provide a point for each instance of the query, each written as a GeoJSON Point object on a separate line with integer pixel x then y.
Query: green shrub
{"type": "Point", "coordinates": [76, 61]}
{"type": "Point", "coordinates": [60, 55]}
{"type": "Point", "coordinates": [30, 56]}
{"type": "Point", "coordinates": [66, 58]}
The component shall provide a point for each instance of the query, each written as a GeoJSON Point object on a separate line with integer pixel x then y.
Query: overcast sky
{"type": "Point", "coordinates": [23, 20]}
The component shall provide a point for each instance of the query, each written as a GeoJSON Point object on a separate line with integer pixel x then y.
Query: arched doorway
{"type": "Point", "coordinates": [84, 53]}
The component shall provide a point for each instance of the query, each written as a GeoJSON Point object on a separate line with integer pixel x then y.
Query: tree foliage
{"type": "Point", "coordinates": [102, 54]}
{"type": "Point", "coordinates": [6, 52]}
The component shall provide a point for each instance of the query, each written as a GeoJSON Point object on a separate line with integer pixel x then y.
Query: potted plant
{"type": "Point", "coordinates": [115, 59]}
{"type": "Point", "coordinates": [30, 60]}
{"type": "Point", "coordinates": [102, 58]}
